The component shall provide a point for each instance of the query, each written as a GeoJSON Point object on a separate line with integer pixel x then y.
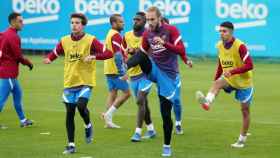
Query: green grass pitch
{"type": "Point", "coordinates": [206, 134]}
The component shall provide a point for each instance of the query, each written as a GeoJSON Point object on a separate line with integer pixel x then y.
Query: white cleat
{"type": "Point", "coordinates": [106, 118]}
{"type": "Point", "coordinates": [238, 144]}
{"type": "Point", "coordinates": [112, 125]}
{"type": "Point", "coordinates": [202, 100]}
{"type": "Point", "coordinates": [108, 122]}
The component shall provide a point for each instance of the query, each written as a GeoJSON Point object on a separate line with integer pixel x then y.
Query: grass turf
{"type": "Point", "coordinates": [206, 134]}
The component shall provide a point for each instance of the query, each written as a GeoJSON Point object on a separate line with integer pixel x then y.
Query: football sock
{"type": "Point", "coordinates": [167, 146]}
{"type": "Point", "coordinates": [71, 144]}
{"type": "Point", "coordinates": [88, 125]}
{"type": "Point", "coordinates": [178, 123]}
{"type": "Point", "coordinates": [242, 138]}
{"type": "Point", "coordinates": [111, 111]}
{"type": "Point", "coordinates": [210, 97]}
{"type": "Point", "coordinates": [150, 127]}
{"type": "Point", "coordinates": [138, 130]}
{"type": "Point", "coordinates": [23, 120]}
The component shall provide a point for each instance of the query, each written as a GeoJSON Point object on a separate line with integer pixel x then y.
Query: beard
{"type": "Point", "coordinates": [137, 28]}
{"type": "Point", "coordinates": [120, 29]}
{"type": "Point", "coordinates": [155, 28]}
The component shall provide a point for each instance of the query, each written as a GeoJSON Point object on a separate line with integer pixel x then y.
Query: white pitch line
{"type": "Point", "coordinates": [3, 127]}
{"type": "Point", "coordinates": [45, 133]}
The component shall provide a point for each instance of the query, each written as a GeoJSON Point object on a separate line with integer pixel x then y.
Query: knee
{"type": "Point", "coordinates": [218, 84]}
{"type": "Point", "coordinates": [140, 100]}
{"type": "Point", "coordinates": [127, 94]}
{"type": "Point", "coordinates": [82, 103]}
{"type": "Point", "coordinates": [70, 113]}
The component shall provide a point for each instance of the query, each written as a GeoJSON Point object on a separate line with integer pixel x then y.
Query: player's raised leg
{"type": "Point", "coordinates": [206, 101]}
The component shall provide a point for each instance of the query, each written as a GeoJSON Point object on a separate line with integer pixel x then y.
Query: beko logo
{"type": "Point", "coordinates": [41, 10]}
{"type": "Point", "coordinates": [254, 14]}
{"type": "Point", "coordinates": [101, 8]}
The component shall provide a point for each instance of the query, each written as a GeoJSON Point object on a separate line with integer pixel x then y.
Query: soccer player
{"type": "Point", "coordinates": [138, 80]}
{"type": "Point", "coordinates": [114, 69]}
{"type": "Point", "coordinates": [234, 73]}
{"type": "Point", "coordinates": [162, 43]}
{"type": "Point", "coordinates": [80, 50]}
{"type": "Point", "coordinates": [10, 57]}
{"type": "Point", "coordinates": [177, 106]}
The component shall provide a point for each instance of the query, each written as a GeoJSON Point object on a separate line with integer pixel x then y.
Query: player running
{"type": "Point", "coordinates": [162, 43]}
{"type": "Point", "coordinates": [80, 50]}
{"type": "Point", "coordinates": [114, 69]}
{"type": "Point", "coordinates": [139, 83]}
{"type": "Point", "coordinates": [234, 73]}
{"type": "Point", "coordinates": [10, 58]}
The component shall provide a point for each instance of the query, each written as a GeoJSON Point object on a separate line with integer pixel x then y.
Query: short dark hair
{"type": "Point", "coordinates": [80, 16]}
{"type": "Point", "coordinates": [113, 18]}
{"type": "Point", "coordinates": [227, 24]}
{"type": "Point", "coordinates": [13, 16]}
{"type": "Point", "coordinates": [165, 20]}
{"type": "Point", "coordinates": [142, 15]}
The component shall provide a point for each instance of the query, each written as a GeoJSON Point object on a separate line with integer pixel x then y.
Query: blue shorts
{"type": "Point", "coordinates": [242, 95]}
{"type": "Point", "coordinates": [115, 83]}
{"type": "Point", "coordinates": [166, 86]}
{"type": "Point", "coordinates": [142, 84]}
{"type": "Point", "coordinates": [71, 95]}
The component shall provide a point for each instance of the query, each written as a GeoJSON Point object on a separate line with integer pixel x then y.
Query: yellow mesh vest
{"type": "Point", "coordinates": [76, 71]}
{"type": "Point", "coordinates": [230, 59]}
{"type": "Point", "coordinates": [133, 41]}
{"type": "Point", "coordinates": [109, 64]}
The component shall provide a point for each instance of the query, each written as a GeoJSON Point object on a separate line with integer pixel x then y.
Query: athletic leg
{"type": "Point", "coordinates": [70, 127]}
{"type": "Point", "coordinates": [5, 88]}
{"type": "Point", "coordinates": [111, 98]}
{"type": "Point", "coordinates": [245, 109]}
{"type": "Point", "coordinates": [166, 107]}
{"type": "Point", "coordinates": [17, 98]}
{"type": "Point", "coordinates": [141, 101]}
{"type": "Point", "coordinates": [84, 112]}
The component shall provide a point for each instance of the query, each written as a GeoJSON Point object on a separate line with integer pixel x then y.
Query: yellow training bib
{"type": "Point", "coordinates": [76, 71]}
{"type": "Point", "coordinates": [133, 41]}
{"type": "Point", "coordinates": [110, 66]}
{"type": "Point", "coordinates": [230, 59]}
